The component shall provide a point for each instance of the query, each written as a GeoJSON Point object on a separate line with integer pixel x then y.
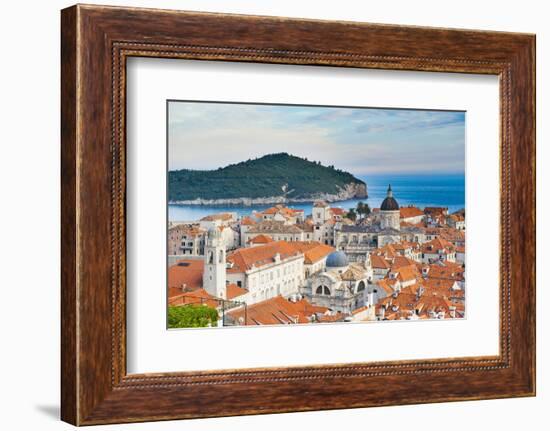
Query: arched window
{"type": "Point", "coordinates": [221, 256]}
{"type": "Point", "coordinates": [322, 290]}
{"type": "Point", "coordinates": [210, 257]}
{"type": "Point", "coordinates": [361, 286]}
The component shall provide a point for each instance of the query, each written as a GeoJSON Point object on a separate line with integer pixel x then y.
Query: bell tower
{"type": "Point", "coordinates": [214, 275]}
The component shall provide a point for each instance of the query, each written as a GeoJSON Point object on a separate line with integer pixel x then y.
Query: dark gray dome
{"type": "Point", "coordinates": [337, 259]}
{"type": "Point", "coordinates": [389, 204]}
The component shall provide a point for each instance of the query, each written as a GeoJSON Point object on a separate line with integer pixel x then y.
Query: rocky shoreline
{"type": "Point", "coordinates": [350, 191]}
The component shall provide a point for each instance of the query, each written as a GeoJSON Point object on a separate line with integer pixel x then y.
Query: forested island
{"type": "Point", "coordinates": [273, 178]}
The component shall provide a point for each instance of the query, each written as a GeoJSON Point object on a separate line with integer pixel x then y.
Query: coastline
{"type": "Point", "coordinates": [418, 190]}
{"type": "Point", "coordinates": [350, 191]}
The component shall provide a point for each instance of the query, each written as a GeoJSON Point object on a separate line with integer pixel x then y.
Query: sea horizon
{"type": "Point", "coordinates": [421, 190]}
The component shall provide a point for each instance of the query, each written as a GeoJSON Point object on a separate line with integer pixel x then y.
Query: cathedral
{"type": "Point", "coordinates": [357, 240]}
{"type": "Point", "coordinates": [342, 286]}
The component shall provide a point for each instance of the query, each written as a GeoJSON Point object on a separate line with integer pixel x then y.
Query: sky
{"type": "Point", "coordinates": [362, 141]}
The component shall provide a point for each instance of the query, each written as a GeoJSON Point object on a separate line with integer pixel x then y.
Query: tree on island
{"type": "Point", "coordinates": [351, 214]}
{"type": "Point", "coordinates": [363, 209]}
{"type": "Point", "coordinates": [192, 316]}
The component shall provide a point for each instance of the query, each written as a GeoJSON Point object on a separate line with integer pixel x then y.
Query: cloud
{"type": "Point", "coordinates": [362, 141]}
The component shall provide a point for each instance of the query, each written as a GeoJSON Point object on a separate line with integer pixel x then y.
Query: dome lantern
{"type": "Point", "coordinates": [389, 203]}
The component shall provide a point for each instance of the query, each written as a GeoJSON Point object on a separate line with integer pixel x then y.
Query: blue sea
{"type": "Point", "coordinates": [419, 190]}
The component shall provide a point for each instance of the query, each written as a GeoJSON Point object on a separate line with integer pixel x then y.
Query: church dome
{"type": "Point", "coordinates": [337, 259]}
{"type": "Point", "coordinates": [389, 204]}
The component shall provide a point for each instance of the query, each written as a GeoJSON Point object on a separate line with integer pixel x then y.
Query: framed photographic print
{"type": "Point", "coordinates": [259, 208]}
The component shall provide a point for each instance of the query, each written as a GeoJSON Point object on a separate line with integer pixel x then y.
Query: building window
{"type": "Point", "coordinates": [322, 290]}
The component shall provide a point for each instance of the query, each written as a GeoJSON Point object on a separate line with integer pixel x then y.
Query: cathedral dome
{"type": "Point", "coordinates": [337, 259]}
{"type": "Point", "coordinates": [389, 204]}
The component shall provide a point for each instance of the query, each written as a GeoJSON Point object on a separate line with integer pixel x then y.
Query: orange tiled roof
{"type": "Point", "coordinates": [403, 301]}
{"type": "Point", "coordinates": [435, 211]}
{"type": "Point", "coordinates": [244, 258]}
{"type": "Point", "coordinates": [386, 251]}
{"type": "Point", "coordinates": [233, 291]}
{"type": "Point", "coordinates": [247, 221]}
{"type": "Point", "coordinates": [406, 212]}
{"type": "Point", "coordinates": [379, 262]}
{"type": "Point", "coordinates": [400, 261]}
{"type": "Point", "coordinates": [427, 303]}
{"type": "Point", "coordinates": [261, 239]}
{"type": "Point", "coordinates": [185, 273]}
{"type": "Point", "coordinates": [452, 235]}
{"type": "Point", "coordinates": [313, 251]}
{"type": "Point", "coordinates": [385, 286]}
{"type": "Point", "coordinates": [196, 297]}
{"type": "Point", "coordinates": [283, 210]}
{"type": "Point", "coordinates": [220, 216]}
{"type": "Point", "coordinates": [277, 311]}
{"type": "Point", "coordinates": [437, 244]}
{"type": "Point", "coordinates": [440, 286]}
{"type": "Point", "coordinates": [407, 273]}
{"type": "Point", "coordinates": [331, 318]}
{"type": "Point", "coordinates": [187, 229]}
{"type": "Point", "coordinates": [446, 270]}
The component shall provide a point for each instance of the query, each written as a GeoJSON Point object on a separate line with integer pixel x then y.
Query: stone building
{"type": "Point", "coordinates": [186, 239]}
{"type": "Point", "coordinates": [266, 271]}
{"type": "Point", "coordinates": [278, 231]}
{"type": "Point", "coordinates": [342, 287]}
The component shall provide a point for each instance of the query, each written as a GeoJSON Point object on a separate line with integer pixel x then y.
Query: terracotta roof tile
{"type": "Point", "coordinates": [233, 291]}
{"type": "Point", "coordinates": [219, 216]}
{"type": "Point", "coordinates": [196, 297]}
{"type": "Point", "coordinates": [406, 212]}
{"type": "Point", "coordinates": [378, 262]}
{"type": "Point", "coordinates": [261, 239]}
{"type": "Point", "coordinates": [276, 311]}
{"type": "Point", "coordinates": [313, 251]}
{"type": "Point", "coordinates": [243, 259]}
{"type": "Point", "coordinates": [247, 221]}
{"type": "Point", "coordinates": [186, 273]}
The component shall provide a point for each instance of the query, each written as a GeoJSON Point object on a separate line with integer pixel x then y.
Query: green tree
{"type": "Point", "coordinates": [363, 209]}
{"type": "Point", "coordinates": [192, 316]}
{"type": "Point", "coordinates": [351, 214]}
{"type": "Point", "coordinates": [259, 178]}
